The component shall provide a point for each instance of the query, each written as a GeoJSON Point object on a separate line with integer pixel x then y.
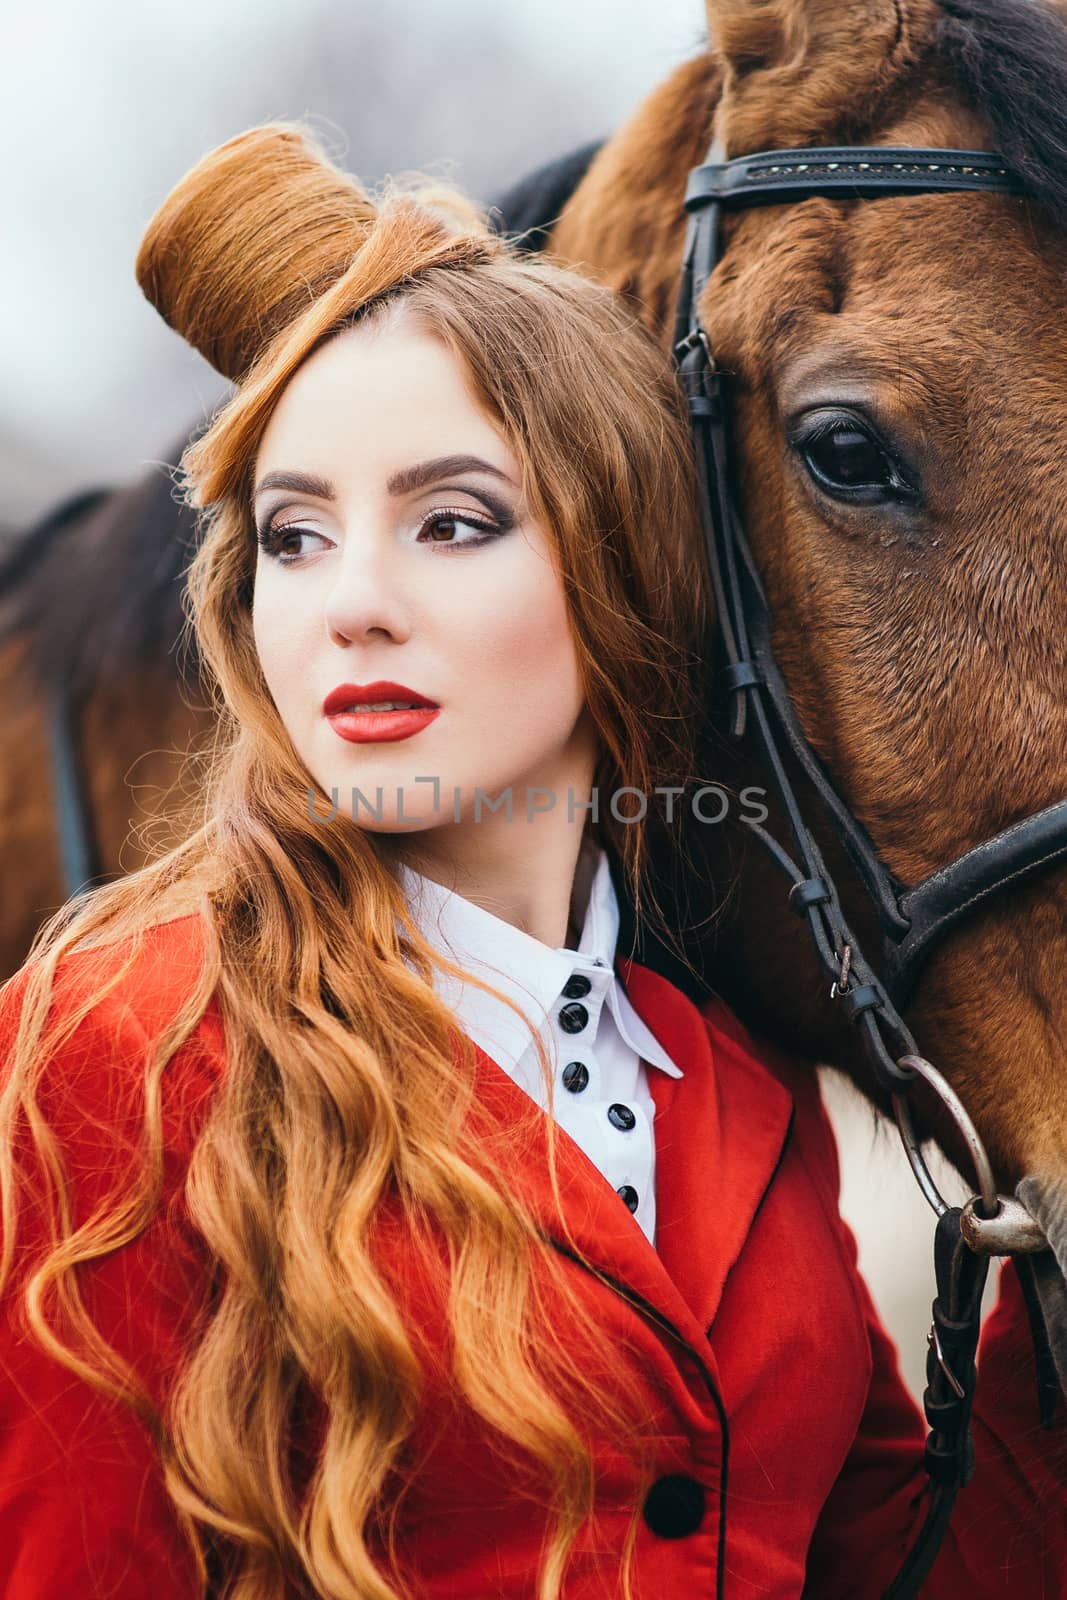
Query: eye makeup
{"type": "Point", "coordinates": [271, 533]}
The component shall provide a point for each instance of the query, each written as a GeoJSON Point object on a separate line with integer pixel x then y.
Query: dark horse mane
{"type": "Point", "coordinates": [96, 586]}
{"type": "Point", "coordinates": [1009, 58]}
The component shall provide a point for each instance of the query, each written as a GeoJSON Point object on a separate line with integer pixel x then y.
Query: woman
{"type": "Point", "coordinates": [340, 1258]}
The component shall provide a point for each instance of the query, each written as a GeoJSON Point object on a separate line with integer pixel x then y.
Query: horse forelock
{"type": "Point", "coordinates": [1009, 59]}
{"type": "Point", "coordinates": [814, 72]}
{"type": "Point", "coordinates": [808, 72]}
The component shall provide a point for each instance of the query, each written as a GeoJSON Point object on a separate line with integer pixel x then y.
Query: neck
{"type": "Point", "coordinates": [519, 867]}
{"type": "Point", "coordinates": [522, 871]}
{"type": "Point", "coordinates": [523, 874]}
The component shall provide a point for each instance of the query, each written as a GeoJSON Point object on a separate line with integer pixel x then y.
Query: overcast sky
{"type": "Point", "coordinates": [106, 107]}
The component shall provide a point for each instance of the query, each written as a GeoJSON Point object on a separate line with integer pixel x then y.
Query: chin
{"type": "Point", "coordinates": [380, 807]}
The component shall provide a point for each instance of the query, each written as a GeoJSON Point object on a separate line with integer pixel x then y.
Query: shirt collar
{"type": "Point", "coordinates": [527, 971]}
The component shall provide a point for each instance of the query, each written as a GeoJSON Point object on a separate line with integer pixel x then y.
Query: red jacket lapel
{"type": "Point", "coordinates": [720, 1131]}
{"type": "Point", "coordinates": [511, 1132]}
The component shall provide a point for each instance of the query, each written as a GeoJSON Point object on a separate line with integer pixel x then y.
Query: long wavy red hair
{"type": "Point", "coordinates": [346, 1079]}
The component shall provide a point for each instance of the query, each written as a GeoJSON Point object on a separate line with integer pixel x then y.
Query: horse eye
{"type": "Point", "coordinates": [848, 462]}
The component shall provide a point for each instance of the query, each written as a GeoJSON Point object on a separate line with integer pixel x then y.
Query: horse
{"type": "Point", "coordinates": [104, 710]}
{"type": "Point", "coordinates": [898, 389]}
{"type": "Point", "coordinates": [898, 374]}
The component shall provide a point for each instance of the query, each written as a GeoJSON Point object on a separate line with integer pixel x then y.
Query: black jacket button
{"type": "Point", "coordinates": [674, 1506]}
{"type": "Point", "coordinates": [575, 1076]}
{"type": "Point", "coordinates": [578, 987]}
{"type": "Point", "coordinates": [621, 1117]}
{"type": "Point", "coordinates": [573, 1017]}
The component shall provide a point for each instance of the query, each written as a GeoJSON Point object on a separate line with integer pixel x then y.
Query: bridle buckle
{"type": "Point", "coordinates": [695, 339]}
{"type": "Point", "coordinates": [933, 1341]}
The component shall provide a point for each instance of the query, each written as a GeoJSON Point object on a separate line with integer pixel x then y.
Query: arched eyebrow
{"type": "Point", "coordinates": [299, 482]}
{"type": "Point", "coordinates": [406, 481]}
{"type": "Point", "coordinates": [423, 473]}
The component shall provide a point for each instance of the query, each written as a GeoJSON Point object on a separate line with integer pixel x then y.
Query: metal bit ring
{"type": "Point", "coordinates": [1013, 1231]}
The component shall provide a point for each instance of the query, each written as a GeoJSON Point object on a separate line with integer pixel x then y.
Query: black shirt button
{"type": "Point", "coordinates": [629, 1196]}
{"type": "Point", "coordinates": [573, 1018]}
{"type": "Point", "coordinates": [674, 1506]}
{"type": "Point", "coordinates": [575, 1076]}
{"type": "Point", "coordinates": [621, 1117]}
{"type": "Point", "coordinates": [578, 987]}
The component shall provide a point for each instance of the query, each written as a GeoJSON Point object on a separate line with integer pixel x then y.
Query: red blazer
{"type": "Point", "coordinates": [788, 1454]}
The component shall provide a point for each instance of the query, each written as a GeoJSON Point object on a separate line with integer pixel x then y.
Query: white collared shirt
{"type": "Point", "coordinates": [597, 1044]}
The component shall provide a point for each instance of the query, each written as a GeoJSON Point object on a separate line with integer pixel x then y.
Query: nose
{"type": "Point", "coordinates": [365, 598]}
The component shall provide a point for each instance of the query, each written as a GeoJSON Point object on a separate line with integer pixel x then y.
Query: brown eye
{"type": "Point", "coordinates": [442, 529]}
{"type": "Point", "coordinates": [282, 542]}
{"type": "Point", "coordinates": [463, 531]}
{"type": "Point", "coordinates": [847, 461]}
{"type": "Point", "coordinates": [849, 458]}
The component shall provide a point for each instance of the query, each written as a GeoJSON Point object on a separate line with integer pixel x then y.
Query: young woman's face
{"type": "Point", "coordinates": [398, 563]}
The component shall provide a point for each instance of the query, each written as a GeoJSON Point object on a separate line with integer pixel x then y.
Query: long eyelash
{"type": "Point", "coordinates": [492, 529]}
{"type": "Point", "coordinates": [828, 425]}
{"type": "Point", "coordinates": [270, 537]}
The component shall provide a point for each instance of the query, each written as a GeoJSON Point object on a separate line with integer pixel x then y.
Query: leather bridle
{"type": "Point", "coordinates": [913, 920]}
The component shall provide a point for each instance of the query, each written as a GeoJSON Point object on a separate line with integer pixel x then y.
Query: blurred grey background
{"type": "Point", "coordinates": [106, 107]}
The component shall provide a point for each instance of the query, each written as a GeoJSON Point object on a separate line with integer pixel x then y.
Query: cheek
{"type": "Point", "coordinates": [279, 633]}
{"type": "Point", "coordinates": [520, 644]}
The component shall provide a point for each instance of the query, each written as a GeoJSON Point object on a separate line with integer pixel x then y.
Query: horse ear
{"type": "Point", "coordinates": [809, 72]}
{"type": "Point", "coordinates": [253, 233]}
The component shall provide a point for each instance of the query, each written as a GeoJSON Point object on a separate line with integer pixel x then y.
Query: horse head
{"type": "Point", "coordinates": [897, 373]}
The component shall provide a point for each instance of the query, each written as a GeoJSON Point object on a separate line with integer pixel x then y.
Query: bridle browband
{"type": "Point", "coordinates": [913, 920]}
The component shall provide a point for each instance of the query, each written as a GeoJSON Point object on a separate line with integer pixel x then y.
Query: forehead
{"type": "Point", "coordinates": [374, 393]}
{"type": "Point", "coordinates": [958, 297]}
{"type": "Point", "coordinates": [918, 280]}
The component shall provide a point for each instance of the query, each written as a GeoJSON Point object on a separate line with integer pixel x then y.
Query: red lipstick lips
{"type": "Point", "coordinates": [408, 712]}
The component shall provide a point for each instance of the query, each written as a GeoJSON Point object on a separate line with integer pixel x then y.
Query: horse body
{"type": "Point", "coordinates": [32, 878]}
{"type": "Point", "coordinates": [90, 618]}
